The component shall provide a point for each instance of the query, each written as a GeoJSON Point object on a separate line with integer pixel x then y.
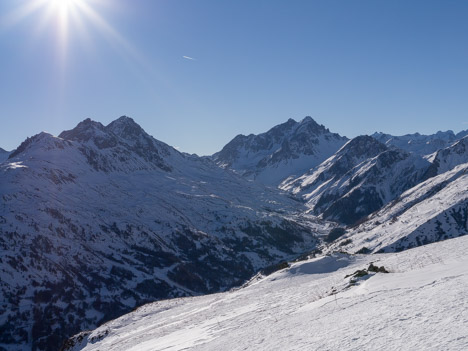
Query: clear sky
{"type": "Point", "coordinates": [196, 73]}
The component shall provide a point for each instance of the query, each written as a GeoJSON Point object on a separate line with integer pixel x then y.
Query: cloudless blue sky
{"type": "Point", "coordinates": [356, 66]}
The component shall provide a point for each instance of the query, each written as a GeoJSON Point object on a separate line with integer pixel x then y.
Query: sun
{"type": "Point", "coordinates": [63, 4]}
{"type": "Point", "coordinates": [63, 7]}
{"type": "Point", "coordinates": [70, 23]}
{"type": "Point", "coordinates": [59, 11]}
{"type": "Point", "coordinates": [60, 19]}
{"type": "Point", "coordinates": [62, 10]}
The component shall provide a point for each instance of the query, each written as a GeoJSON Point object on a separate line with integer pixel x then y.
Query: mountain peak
{"type": "Point", "coordinates": [123, 121]}
{"type": "Point", "coordinates": [290, 123]}
{"type": "Point", "coordinates": [364, 144]}
{"type": "Point", "coordinates": [84, 131]}
{"type": "Point", "coordinates": [359, 148]}
{"type": "Point", "coordinates": [89, 123]}
{"type": "Point", "coordinates": [41, 140]}
{"type": "Point", "coordinates": [125, 127]}
{"type": "Point", "coordinates": [308, 120]}
{"type": "Point", "coordinates": [305, 120]}
{"type": "Point", "coordinates": [306, 126]}
{"type": "Point", "coordinates": [309, 126]}
{"type": "Point", "coordinates": [125, 118]}
{"type": "Point", "coordinates": [288, 148]}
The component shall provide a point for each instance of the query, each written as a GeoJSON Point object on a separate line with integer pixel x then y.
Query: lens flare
{"type": "Point", "coordinates": [67, 20]}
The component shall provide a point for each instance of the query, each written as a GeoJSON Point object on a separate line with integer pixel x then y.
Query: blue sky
{"type": "Point", "coordinates": [356, 66]}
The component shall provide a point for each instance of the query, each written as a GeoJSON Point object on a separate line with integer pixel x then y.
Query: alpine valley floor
{"type": "Point", "coordinates": [421, 304]}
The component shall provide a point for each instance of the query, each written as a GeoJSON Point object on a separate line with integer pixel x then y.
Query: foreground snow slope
{"type": "Point", "coordinates": [420, 305]}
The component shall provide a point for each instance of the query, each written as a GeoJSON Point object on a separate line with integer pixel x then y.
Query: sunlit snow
{"type": "Point", "coordinates": [420, 305]}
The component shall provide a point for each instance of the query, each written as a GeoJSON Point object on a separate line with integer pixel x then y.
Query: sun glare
{"type": "Point", "coordinates": [63, 5]}
{"type": "Point", "coordinates": [69, 21]}
{"type": "Point", "coordinates": [62, 19]}
{"type": "Point", "coordinates": [60, 12]}
{"type": "Point", "coordinates": [62, 8]}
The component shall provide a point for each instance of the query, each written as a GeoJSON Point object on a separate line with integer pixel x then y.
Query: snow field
{"type": "Point", "coordinates": [421, 305]}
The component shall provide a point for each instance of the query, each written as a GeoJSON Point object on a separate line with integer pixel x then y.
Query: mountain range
{"type": "Point", "coordinates": [358, 180]}
{"type": "Point", "coordinates": [434, 210]}
{"type": "Point", "coordinates": [102, 219]}
{"type": "Point", "coordinates": [421, 144]}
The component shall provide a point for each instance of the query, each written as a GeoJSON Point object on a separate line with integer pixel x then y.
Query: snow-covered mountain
{"type": "Point", "coordinates": [3, 155]}
{"type": "Point", "coordinates": [331, 302]}
{"type": "Point", "coordinates": [448, 158]}
{"type": "Point", "coordinates": [287, 149]}
{"type": "Point", "coordinates": [434, 210]}
{"type": "Point", "coordinates": [359, 179]}
{"type": "Point", "coordinates": [420, 144]}
{"type": "Point", "coordinates": [103, 219]}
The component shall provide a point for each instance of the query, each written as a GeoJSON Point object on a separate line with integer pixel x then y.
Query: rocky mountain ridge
{"type": "Point", "coordinates": [421, 144]}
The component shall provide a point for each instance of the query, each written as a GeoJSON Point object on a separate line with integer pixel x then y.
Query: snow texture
{"type": "Point", "coordinates": [420, 305]}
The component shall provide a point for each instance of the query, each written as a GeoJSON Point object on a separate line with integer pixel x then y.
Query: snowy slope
{"type": "Point", "coordinates": [359, 179]}
{"type": "Point", "coordinates": [106, 218]}
{"type": "Point", "coordinates": [448, 158]}
{"type": "Point", "coordinates": [420, 305]}
{"type": "Point", "coordinates": [418, 143]}
{"type": "Point", "coordinates": [434, 210]}
{"type": "Point", "coordinates": [287, 149]}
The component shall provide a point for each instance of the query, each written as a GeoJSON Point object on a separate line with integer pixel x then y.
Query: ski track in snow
{"type": "Point", "coordinates": [421, 305]}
